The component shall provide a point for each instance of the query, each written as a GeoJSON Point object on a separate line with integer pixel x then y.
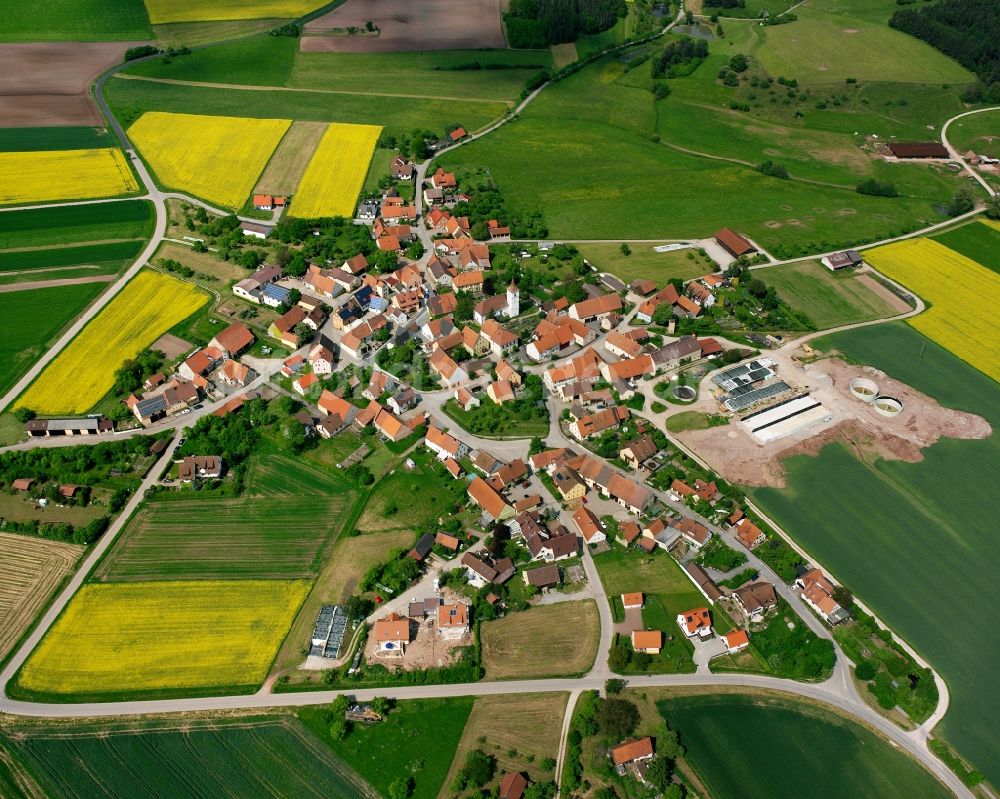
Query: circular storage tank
{"type": "Point", "coordinates": [864, 389]}
{"type": "Point", "coordinates": [684, 393]}
{"type": "Point", "coordinates": [888, 406]}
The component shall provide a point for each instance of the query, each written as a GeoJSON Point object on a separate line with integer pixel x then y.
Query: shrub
{"type": "Point", "coordinates": [865, 671]}
{"type": "Point", "coordinates": [877, 188]}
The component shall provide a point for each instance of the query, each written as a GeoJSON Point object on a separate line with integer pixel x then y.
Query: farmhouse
{"type": "Point", "coordinates": [596, 308]}
{"type": "Point", "coordinates": [38, 428]}
{"type": "Point", "coordinates": [842, 260]}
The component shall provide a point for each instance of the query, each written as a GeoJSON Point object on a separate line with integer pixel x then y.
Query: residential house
{"type": "Point", "coordinates": [648, 641]}
{"type": "Point", "coordinates": [637, 452]}
{"type": "Point", "coordinates": [591, 528]}
{"type": "Point", "coordinates": [634, 601]}
{"type": "Point", "coordinates": [321, 359]}
{"type": "Point", "coordinates": [380, 383]}
{"type": "Point", "coordinates": [501, 341]}
{"type": "Point", "coordinates": [234, 340]}
{"type": "Point", "coordinates": [391, 427]}
{"type": "Point", "coordinates": [471, 282]}
{"type": "Point", "coordinates": [542, 577]}
{"type": "Point", "coordinates": [449, 372]}
{"type": "Point", "coordinates": [569, 484]}
{"type": "Point", "coordinates": [403, 400]}
{"type": "Point", "coordinates": [507, 372]}
{"type": "Point", "coordinates": [749, 534]}
{"type": "Point", "coordinates": [449, 542]}
{"type": "Point", "coordinates": [466, 399]}
{"type": "Point", "coordinates": [596, 423]}
{"type": "Point", "coordinates": [443, 180]}
{"type": "Point", "coordinates": [392, 634]}
{"type": "Point", "coordinates": [201, 363]}
{"type": "Point", "coordinates": [500, 392]}
{"type": "Point", "coordinates": [756, 599]}
{"type": "Point", "coordinates": [676, 353]}
{"type": "Point", "coordinates": [199, 467]}
{"type": "Point", "coordinates": [695, 533]}
{"type": "Point", "coordinates": [444, 445]}
{"type": "Point", "coordinates": [453, 620]}
{"type": "Point", "coordinates": [441, 304]}
{"type": "Point", "coordinates": [646, 309]}
{"type": "Point", "coordinates": [402, 169]}
{"type": "Point", "coordinates": [695, 623]}
{"type": "Point", "coordinates": [513, 785]}
{"type": "Point", "coordinates": [330, 404]}
{"type": "Point", "coordinates": [494, 506]}
{"type": "Point", "coordinates": [234, 373]}
{"type": "Point", "coordinates": [817, 593]}
{"type": "Point", "coordinates": [477, 571]}
{"type": "Point", "coordinates": [283, 328]}
{"type": "Point", "coordinates": [736, 641]}
{"type": "Point", "coordinates": [622, 345]}
{"type": "Point", "coordinates": [632, 751]}
{"type": "Point", "coordinates": [707, 492]}
{"type": "Point", "coordinates": [630, 531]}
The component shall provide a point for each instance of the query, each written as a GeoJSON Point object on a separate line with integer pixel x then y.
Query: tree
{"type": "Point", "coordinates": [619, 658]}
{"type": "Point", "coordinates": [613, 686]}
{"type": "Point", "coordinates": [843, 597]}
{"type": "Point", "coordinates": [625, 249]}
{"type": "Point", "coordinates": [865, 671]}
{"type": "Point", "coordinates": [993, 207]}
{"type": "Point", "coordinates": [479, 768]}
{"type": "Point", "coordinates": [963, 201]}
{"type": "Point", "coordinates": [357, 607]}
{"type": "Point", "coordinates": [674, 791]}
{"type": "Point", "coordinates": [739, 63]}
{"type": "Point", "coordinates": [24, 414]}
{"type": "Point", "coordinates": [659, 772]}
{"type": "Point", "coordinates": [338, 723]}
{"type": "Point", "coordinates": [617, 718]}
{"type": "Point", "coordinates": [668, 744]}
{"type": "Point", "coordinates": [302, 333]}
{"type": "Point", "coordinates": [547, 764]}
{"type": "Point", "coordinates": [401, 788]}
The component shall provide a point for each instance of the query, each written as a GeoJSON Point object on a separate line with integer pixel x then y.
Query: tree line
{"type": "Point", "coordinates": [539, 23]}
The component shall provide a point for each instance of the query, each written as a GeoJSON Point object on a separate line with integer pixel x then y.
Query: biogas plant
{"type": "Point", "coordinates": [867, 391]}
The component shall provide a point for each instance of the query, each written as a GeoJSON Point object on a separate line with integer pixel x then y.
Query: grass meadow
{"type": "Point", "coordinates": [645, 262]}
{"type": "Point", "coordinates": [977, 132]}
{"type": "Point", "coordinates": [138, 639]}
{"type": "Point", "coordinates": [32, 319]}
{"type": "Point", "coordinates": [46, 227]}
{"type": "Point", "coordinates": [546, 641]}
{"type": "Point", "coordinates": [792, 744]}
{"type": "Point", "coordinates": [977, 241]}
{"type": "Point", "coordinates": [897, 533]}
{"type": "Point", "coordinates": [829, 299]}
{"type": "Point", "coordinates": [399, 745]}
{"type": "Point", "coordinates": [74, 20]}
{"type": "Point", "coordinates": [203, 759]}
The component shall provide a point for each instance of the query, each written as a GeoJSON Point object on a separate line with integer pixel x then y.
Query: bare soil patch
{"type": "Point", "coordinates": [171, 346]}
{"type": "Point", "coordinates": [46, 83]}
{"type": "Point", "coordinates": [408, 26]}
{"type": "Point", "coordinates": [739, 458]}
{"type": "Point", "coordinates": [874, 286]}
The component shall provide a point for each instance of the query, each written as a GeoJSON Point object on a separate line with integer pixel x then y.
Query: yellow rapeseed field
{"type": "Point", "coordinates": [129, 637]}
{"type": "Point", "coordinates": [48, 175]}
{"type": "Point", "coordinates": [84, 372]}
{"type": "Point", "coordinates": [215, 158]}
{"type": "Point", "coordinates": [963, 296]}
{"type": "Point", "coordinates": [162, 11]}
{"type": "Point", "coordinates": [334, 177]}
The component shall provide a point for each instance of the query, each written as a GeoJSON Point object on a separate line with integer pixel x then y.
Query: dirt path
{"type": "Point", "coordinates": [50, 284]}
{"type": "Point", "coordinates": [238, 87]}
{"type": "Point", "coordinates": [67, 246]}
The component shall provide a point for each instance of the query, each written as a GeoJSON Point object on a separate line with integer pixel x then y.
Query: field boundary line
{"type": "Point", "coordinates": [245, 88]}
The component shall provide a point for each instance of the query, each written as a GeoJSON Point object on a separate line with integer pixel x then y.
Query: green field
{"type": "Point", "coordinates": [582, 154]}
{"type": "Point", "coordinates": [74, 20]}
{"type": "Point", "coordinates": [829, 299]}
{"type": "Point", "coordinates": [977, 132]}
{"type": "Point", "coordinates": [45, 227]}
{"type": "Point", "coordinates": [843, 39]}
{"type": "Point", "coordinates": [769, 746]}
{"type": "Point", "coordinates": [399, 745]}
{"type": "Point", "coordinates": [130, 98]}
{"type": "Point", "coordinates": [32, 318]}
{"type": "Point", "coordinates": [628, 570]}
{"type": "Point", "coordinates": [977, 241]}
{"type": "Point", "coordinates": [884, 525]}
{"type": "Point", "coordinates": [751, 10]}
{"type": "Point", "coordinates": [70, 256]}
{"type": "Point", "coordinates": [256, 756]}
{"type": "Point", "coordinates": [645, 262]}
{"type": "Point", "coordinates": [73, 138]}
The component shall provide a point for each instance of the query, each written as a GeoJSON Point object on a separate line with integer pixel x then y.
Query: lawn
{"type": "Point", "coordinates": [50, 175]}
{"type": "Point", "coordinates": [32, 319]}
{"type": "Point", "coordinates": [32, 569]}
{"type": "Point", "coordinates": [70, 138]}
{"type": "Point", "coordinates": [117, 252]}
{"type": "Point", "coordinates": [516, 728]}
{"type": "Point", "coordinates": [692, 420]}
{"type": "Point", "coordinates": [829, 299]}
{"type": "Point", "coordinates": [418, 738]}
{"type": "Point", "coordinates": [977, 241]}
{"type": "Point", "coordinates": [83, 373]}
{"type": "Point", "coordinates": [977, 132]}
{"type": "Point", "coordinates": [283, 172]}
{"type": "Point", "coordinates": [203, 759]}
{"type": "Point", "coordinates": [130, 98]}
{"type": "Point", "coordinates": [628, 570]}
{"type": "Point", "coordinates": [582, 154]}
{"type": "Point", "coordinates": [792, 745]}
{"type": "Point", "coordinates": [75, 20]}
{"type": "Point", "coordinates": [848, 515]}
{"type": "Point", "coordinates": [546, 641]}
{"type": "Point", "coordinates": [644, 262]}
{"type": "Point", "coordinates": [851, 39]}
{"type": "Point", "coordinates": [137, 639]}
{"type": "Point", "coordinates": [497, 421]}
{"type": "Point", "coordinates": [46, 227]}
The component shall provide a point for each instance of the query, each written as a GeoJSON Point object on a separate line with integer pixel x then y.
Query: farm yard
{"type": "Point", "coordinates": [32, 319]}
{"type": "Point", "coordinates": [83, 373]}
{"type": "Point", "coordinates": [45, 176]}
{"type": "Point", "coordinates": [792, 744]}
{"type": "Point", "coordinates": [545, 641]}
{"type": "Point", "coordinates": [32, 568]}
{"type": "Point", "coordinates": [216, 158]}
{"type": "Point", "coordinates": [962, 295]}
{"type": "Point", "coordinates": [46, 227]}
{"type": "Point", "coordinates": [127, 639]}
{"type": "Point", "coordinates": [203, 759]}
{"type": "Point", "coordinates": [333, 179]}
{"type": "Point", "coordinates": [950, 514]}
{"type": "Point", "coordinates": [830, 299]}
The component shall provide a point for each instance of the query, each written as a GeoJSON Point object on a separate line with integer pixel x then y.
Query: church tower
{"type": "Point", "coordinates": [513, 300]}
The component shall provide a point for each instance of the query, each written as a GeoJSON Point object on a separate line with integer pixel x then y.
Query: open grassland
{"type": "Point", "coordinates": [827, 298]}
{"type": "Point", "coordinates": [43, 176]}
{"type": "Point", "coordinates": [283, 172]}
{"type": "Point", "coordinates": [216, 158]}
{"type": "Point", "coordinates": [48, 258]}
{"type": "Point", "coordinates": [977, 132]}
{"type": "Point", "coordinates": [202, 758]}
{"type": "Point", "coordinates": [515, 728]}
{"type": "Point", "coordinates": [131, 98]}
{"type": "Point", "coordinates": [83, 373]}
{"type": "Point", "coordinates": [645, 262]}
{"type": "Point", "coordinates": [582, 154]}
{"type": "Point", "coordinates": [628, 570]}
{"type": "Point", "coordinates": [847, 513]}
{"type": "Point", "coordinates": [545, 641]}
{"type": "Point", "coordinates": [963, 296]}
{"type": "Point", "coordinates": [164, 11]}
{"type": "Point", "coordinates": [852, 39]}
{"type": "Point", "coordinates": [353, 556]}
{"type": "Point", "coordinates": [79, 20]}
{"type": "Point", "coordinates": [32, 319]}
{"type": "Point", "coordinates": [69, 138]}
{"type": "Point", "coordinates": [978, 241]}
{"type": "Point", "coordinates": [399, 745]}
{"type": "Point", "coordinates": [123, 639]}
{"type": "Point", "coordinates": [792, 744]}
{"type": "Point", "coordinates": [334, 176]}
{"type": "Point", "coordinates": [45, 227]}
{"type": "Point", "coordinates": [32, 568]}
{"type": "Point", "coordinates": [204, 263]}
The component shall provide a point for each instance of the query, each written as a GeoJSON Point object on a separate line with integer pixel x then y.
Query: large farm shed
{"type": "Point", "coordinates": [918, 150]}
{"type": "Point", "coordinates": [733, 243]}
{"type": "Point", "coordinates": [785, 418]}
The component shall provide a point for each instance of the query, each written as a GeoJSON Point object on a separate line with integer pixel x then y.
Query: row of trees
{"type": "Point", "coordinates": [679, 58]}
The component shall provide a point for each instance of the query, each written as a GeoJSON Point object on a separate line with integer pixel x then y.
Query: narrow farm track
{"type": "Point", "coordinates": [48, 284]}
